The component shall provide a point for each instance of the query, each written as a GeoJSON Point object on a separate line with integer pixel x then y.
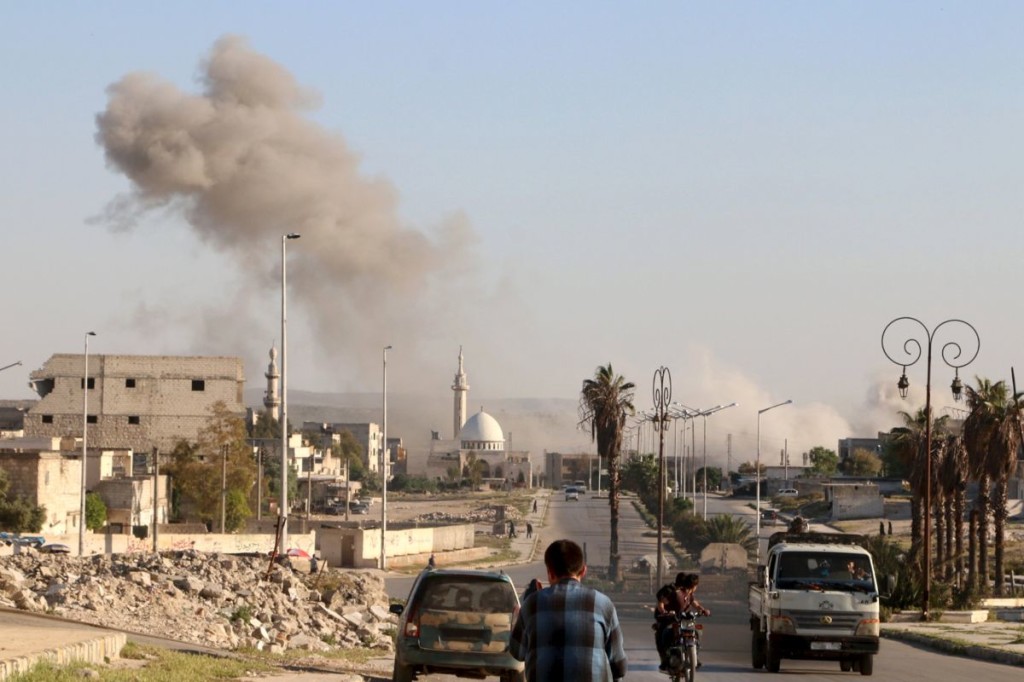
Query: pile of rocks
{"type": "Point", "coordinates": [214, 600]}
{"type": "Point", "coordinates": [482, 515]}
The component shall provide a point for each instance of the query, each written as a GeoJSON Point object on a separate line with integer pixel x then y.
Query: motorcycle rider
{"type": "Point", "coordinates": [674, 599]}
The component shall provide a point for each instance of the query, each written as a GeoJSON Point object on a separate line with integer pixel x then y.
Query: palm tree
{"type": "Point", "coordinates": [993, 429]}
{"type": "Point", "coordinates": [986, 402]}
{"type": "Point", "coordinates": [912, 438]}
{"type": "Point", "coordinates": [953, 478]}
{"type": "Point", "coordinates": [605, 402]}
{"type": "Point", "coordinates": [731, 529]}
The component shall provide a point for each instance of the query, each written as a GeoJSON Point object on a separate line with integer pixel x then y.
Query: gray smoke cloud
{"type": "Point", "coordinates": [243, 164]}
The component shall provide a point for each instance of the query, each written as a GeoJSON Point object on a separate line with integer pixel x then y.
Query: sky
{"type": "Point", "coordinates": [746, 193]}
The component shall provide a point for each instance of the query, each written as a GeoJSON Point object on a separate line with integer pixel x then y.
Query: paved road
{"type": "Point", "coordinates": [726, 649]}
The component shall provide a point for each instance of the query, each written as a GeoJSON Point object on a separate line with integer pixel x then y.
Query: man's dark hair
{"type": "Point", "coordinates": [564, 558]}
{"type": "Point", "coordinates": [680, 579]}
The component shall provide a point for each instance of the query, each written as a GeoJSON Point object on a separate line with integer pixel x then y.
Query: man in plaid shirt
{"type": "Point", "coordinates": [568, 631]}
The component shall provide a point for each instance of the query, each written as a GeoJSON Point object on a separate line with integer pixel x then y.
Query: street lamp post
{"type": "Point", "coordinates": [662, 389]}
{"type": "Point", "coordinates": [910, 353]}
{"type": "Point", "coordinates": [13, 364]}
{"type": "Point", "coordinates": [283, 511]}
{"type": "Point", "coordinates": [384, 467]}
{"type": "Point", "coordinates": [85, 434]}
{"type": "Point", "coordinates": [706, 414]}
{"type": "Point", "coordinates": [757, 473]}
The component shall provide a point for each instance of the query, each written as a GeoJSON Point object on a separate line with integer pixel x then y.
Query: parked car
{"type": "Point", "coordinates": [457, 622]}
{"type": "Point", "coordinates": [788, 492]}
{"type": "Point", "coordinates": [572, 494]}
{"type": "Point", "coordinates": [360, 508]}
{"type": "Point", "coordinates": [55, 548]}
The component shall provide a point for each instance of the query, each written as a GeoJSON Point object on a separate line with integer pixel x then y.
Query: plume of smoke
{"type": "Point", "coordinates": [243, 165]}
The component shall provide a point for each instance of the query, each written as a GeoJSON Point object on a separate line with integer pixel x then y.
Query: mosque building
{"type": "Point", "coordinates": [476, 442]}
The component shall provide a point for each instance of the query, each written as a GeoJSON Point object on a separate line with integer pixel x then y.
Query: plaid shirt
{"type": "Point", "coordinates": [569, 632]}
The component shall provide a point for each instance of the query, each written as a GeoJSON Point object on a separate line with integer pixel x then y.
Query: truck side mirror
{"type": "Point", "coordinates": [762, 574]}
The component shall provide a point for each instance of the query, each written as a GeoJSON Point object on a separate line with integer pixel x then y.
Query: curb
{"type": "Point", "coordinates": [95, 650]}
{"type": "Point", "coordinates": [954, 648]}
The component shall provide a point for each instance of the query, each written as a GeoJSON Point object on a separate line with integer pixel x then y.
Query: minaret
{"type": "Point", "coordinates": [271, 399]}
{"type": "Point", "coordinates": [461, 388]}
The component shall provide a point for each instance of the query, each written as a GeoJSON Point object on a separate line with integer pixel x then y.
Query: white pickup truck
{"type": "Point", "coordinates": [817, 597]}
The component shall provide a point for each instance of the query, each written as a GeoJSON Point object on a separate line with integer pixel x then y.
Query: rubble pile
{"type": "Point", "coordinates": [482, 515]}
{"type": "Point", "coordinates": [214, 600]}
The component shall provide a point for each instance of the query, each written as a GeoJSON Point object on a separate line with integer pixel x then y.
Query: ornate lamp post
{"type": "Point", "coordinates": [910, 351]}
{"type": "Point", "coordinates": [662, 390]}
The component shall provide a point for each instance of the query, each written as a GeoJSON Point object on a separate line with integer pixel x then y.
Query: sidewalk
{"type": "Point", "coordinates": [994, 641]}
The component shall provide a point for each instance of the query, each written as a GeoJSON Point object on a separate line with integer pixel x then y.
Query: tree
{"type": "Point", "coordinates": [605, 402]}
{"type": "Point", "coordinates": [347, 448]}
{"type": "Point", "coordinates": [992, 436]}
{"type": "Point", "coordinates": [749, 469]}
{"type": "Point", "coordinates": [714, 475]}
{"type": "Point", "coordinates": [17, 514]}
{"type": "Point", "coordinates": [824, 462]}
{"type": "Point", "coordinates": [196, 469]}
{"type": "Point", "coordinates": [95, 512]}
{"type": "Point", "coordinates": [863, 462]}
{"type": "Point", "coordinates": [474, 470]}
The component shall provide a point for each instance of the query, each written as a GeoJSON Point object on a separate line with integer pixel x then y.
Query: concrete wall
{"type": "Point", "coordinates": [354, 547]}
{"type": "Point", "coordinates": [855, 501]}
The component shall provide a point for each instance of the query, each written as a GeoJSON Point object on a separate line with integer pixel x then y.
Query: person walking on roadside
{"type": "Point", "coordinates": [568, 631]}
{"type": "Point", "coordinates": [511, 529]}
{"type": "Point", "coordinates": [529, 529]}
{"type": "Point", "coordinates": [535, 506]}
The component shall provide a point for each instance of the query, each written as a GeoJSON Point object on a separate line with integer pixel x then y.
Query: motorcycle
{"type": "Point", "coordinates": [682, 654]}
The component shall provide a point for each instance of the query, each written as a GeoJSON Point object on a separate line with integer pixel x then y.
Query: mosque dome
{"type": "Point", "coordinates": [482, 432]}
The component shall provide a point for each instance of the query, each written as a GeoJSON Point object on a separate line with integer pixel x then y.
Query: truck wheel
{"type": "Point", "coordinates": [402, 673]}
{"type": "Point", "coordinates": [774, 660]}
{"type": "Point", "coordinates": [867, 664]}
{"type": "Point", "coordinates": [756, 650]}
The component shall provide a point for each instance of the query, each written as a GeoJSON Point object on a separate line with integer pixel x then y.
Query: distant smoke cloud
{"type": "Point", "coordinates": [243, 165]}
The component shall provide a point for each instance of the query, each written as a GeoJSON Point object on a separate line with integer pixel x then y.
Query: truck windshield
{"type": "Point", "coordinates": [825, 570]}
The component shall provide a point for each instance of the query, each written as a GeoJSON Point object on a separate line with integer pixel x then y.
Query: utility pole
{"type": "Point", "coordinates": [223, 487]}
{"type": "Point", "coordinates": [156, 496]}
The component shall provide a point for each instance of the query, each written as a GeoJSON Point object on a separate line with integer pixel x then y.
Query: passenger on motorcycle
{"type": "Point", "coordinates": [672, 600]}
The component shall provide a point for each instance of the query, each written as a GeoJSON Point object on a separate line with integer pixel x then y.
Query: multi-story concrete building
{"type": "Point", "coordinates": [135, 401]}
{"type": "Point", "coordinates": [367, 435]}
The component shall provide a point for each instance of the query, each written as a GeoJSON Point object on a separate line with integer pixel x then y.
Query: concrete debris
{"type": "Point", "coordinates": [208, 599]}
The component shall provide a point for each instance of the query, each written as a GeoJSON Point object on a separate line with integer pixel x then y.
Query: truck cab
{"type": "Point", "coordinates": [817, 596]}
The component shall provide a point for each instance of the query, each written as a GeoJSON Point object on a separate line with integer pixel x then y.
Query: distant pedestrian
{"type": "Point", "coordinates": [511, 529]}
{"type": "Point", "coordinates": [535, 506]}
{"type": "Point", "coordinates": [890, 528]}
{"type": "Point", "coordinates": [313, 565]}
{"type": "Point", "coordinates": [529, 529]}
{"type": "Point", "coordinates": [430, 562]}
{"type": "Point", "coordinates": [881, 527]}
